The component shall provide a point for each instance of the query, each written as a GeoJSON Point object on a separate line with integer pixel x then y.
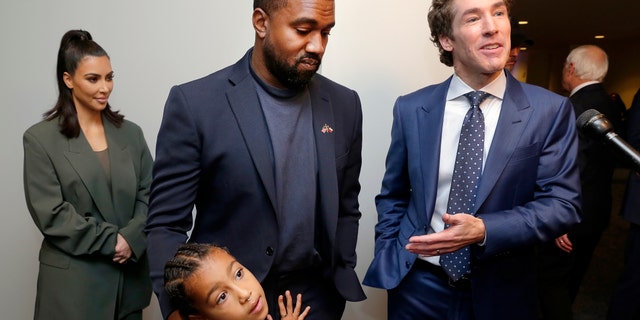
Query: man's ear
{"type": "Point", "coordinates": [446, 43]}
{"type": "Point", "coordinates": [571, 68]}
{"type": "Point", "coordinates": [260, 20]}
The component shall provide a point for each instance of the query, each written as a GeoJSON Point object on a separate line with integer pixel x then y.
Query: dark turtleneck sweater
{"type": "Point", "coordinates": [290, 122]}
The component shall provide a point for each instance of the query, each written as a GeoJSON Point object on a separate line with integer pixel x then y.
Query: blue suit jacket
{"type": "Point", "coordinates": [214, 151]}
{"type": "Point", "coordinates": [529, 192]}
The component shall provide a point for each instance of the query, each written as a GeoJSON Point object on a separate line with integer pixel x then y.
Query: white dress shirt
{"type": "Point", "coordinates": [455, 109]}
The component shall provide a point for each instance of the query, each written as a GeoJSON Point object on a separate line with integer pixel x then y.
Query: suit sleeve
{"type": "Point", "coordinates": [57, 219]}
{"type": "Point", "coordinates": [133, 231]}
{"type": "Point", "coordinates": [176, 172]}
{"type": "Point", "coordinates": [392, 204]}
{"type": "Point", "coordinates": [395, 193]}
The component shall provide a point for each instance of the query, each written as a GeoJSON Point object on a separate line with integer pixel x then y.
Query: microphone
{"type": "Point", "coordinates": [597, 126]}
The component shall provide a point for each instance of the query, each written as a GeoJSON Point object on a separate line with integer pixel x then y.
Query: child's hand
{"type": "Point", "coordinates": [289, 312]}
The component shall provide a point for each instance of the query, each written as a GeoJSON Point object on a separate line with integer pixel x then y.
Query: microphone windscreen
{"type": "Point", "coordinates": [586, 116]}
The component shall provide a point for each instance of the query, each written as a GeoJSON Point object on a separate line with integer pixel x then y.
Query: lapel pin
{"type": "Point", "coordinates": [326, 129]}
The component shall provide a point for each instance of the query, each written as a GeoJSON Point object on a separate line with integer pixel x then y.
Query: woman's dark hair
{"type": "Point", "coordinates": [74, 46]}
{"type": "Point", "coordinates": [186, 261]}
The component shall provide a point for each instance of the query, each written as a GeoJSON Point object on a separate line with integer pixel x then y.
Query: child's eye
{"type": "Point", "coordinates": [221, 298]}
{"type": "Point", "coordinates": [239, 274]}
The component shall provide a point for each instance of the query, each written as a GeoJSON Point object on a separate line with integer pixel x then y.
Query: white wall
{"type": "Point", "coordinates": [379, 48]}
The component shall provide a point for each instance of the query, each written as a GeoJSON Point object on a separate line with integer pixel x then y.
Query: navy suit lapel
{"type": "Point", "coordinates": [430, 117]}
{"type": "Point", "coordinates": [245, 105]}
{"type": "Point", "coordinates": [514, 115]}
{"type": "Point", "coordinates": [83, 159]}
{"type": "Point", "coordinates": [323, 126]}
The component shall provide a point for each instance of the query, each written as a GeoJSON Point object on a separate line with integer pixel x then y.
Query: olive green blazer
{"type": "Point", "coordinates": [79, 215]}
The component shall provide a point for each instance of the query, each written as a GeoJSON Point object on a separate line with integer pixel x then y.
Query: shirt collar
{"type": "Point", "coordinates": [580, 86]}
{"type": "Point", "coordinates": [458, 87]}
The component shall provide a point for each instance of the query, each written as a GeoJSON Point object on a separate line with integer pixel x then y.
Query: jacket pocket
{"type": "Point", "coordinates": [526, 152]}
{"type": "Point", "coordinates": [54, 259]}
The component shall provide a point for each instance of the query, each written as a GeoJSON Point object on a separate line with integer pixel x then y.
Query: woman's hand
{"type": "Point", "coordinates": [123, 250]}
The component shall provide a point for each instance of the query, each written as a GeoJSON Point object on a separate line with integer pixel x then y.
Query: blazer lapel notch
{"type": "Point", "coordinates": [123, 176]}
{"type": "Point", "coordinates": [245, 105]}
{"type": "Point", "coordinates": [84, 161]}
{"type": "Point", "coordinates": [514, 115]}
{"type": "Point", "coordinates": [324, 136]}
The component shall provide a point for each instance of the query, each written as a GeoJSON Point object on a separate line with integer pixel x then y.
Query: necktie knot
{"type": "Point", "coordinates": [476, 97]}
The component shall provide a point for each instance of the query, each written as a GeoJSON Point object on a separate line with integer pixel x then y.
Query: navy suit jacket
{"type": "Point", "coordinates": [596, 161]}
{"type": "Point", "coordinates": [528, 193]}
{"type": "Point", "coordinates": [214, 151]}
{"type": "Point", "coordinates": [631, 203]}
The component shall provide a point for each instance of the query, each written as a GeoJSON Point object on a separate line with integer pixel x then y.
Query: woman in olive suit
{"type": "Point", "coordinates": [87, 173]}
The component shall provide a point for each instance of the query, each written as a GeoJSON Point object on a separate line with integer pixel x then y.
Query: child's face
{"type": "Point", "coordinates": [224, 289]}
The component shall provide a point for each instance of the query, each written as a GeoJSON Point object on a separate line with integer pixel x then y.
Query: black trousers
{"type": "Point", "coordinates": [560, 275]}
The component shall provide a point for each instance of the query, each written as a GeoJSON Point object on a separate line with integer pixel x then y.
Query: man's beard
{"type": "Point", "coordinates": [288, 75]}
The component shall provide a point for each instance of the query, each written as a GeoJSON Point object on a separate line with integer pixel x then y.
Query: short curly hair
{"type": "Point", "coordinates": [269, 6]}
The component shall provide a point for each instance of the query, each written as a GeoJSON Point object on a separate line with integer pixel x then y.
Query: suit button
{"type": "Point", "coordinates": [407, 264]}
{"type": "Point", "coordinates": [269, 251]}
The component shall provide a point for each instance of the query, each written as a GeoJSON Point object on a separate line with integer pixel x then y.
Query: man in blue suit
{"type": "Point", "coordinates": [269, 152]}
{"type": "Point", "coordinates": [528, 191]}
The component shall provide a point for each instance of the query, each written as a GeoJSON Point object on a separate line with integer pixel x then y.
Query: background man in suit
{"type": "Point", "coordinates": [564, 261]}
{"type": "Point", "coordinates": [624, 301]}
{"type": "Point", "coordinates": [518, 40]}
{"type": "Point", "coordinates": [269, 152]}
{"type": "Point", "coordinates": [528, 191]}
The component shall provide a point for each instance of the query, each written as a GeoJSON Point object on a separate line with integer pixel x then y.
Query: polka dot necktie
{"type": "Point", "coordinates": [466, 175]}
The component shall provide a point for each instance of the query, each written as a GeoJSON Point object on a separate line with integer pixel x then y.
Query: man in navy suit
{"type": "Point", "coordinates": [624, 300]}
{"type": "Point", "coordinates": [269, 152]}
{"type": "Point", "coordinates": [528, 191]}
